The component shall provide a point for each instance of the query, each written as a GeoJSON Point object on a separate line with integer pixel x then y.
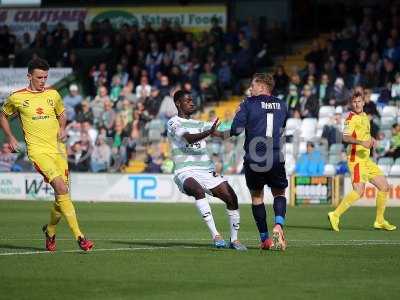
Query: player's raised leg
{"type": "Point", "coordinates": [225, 192]}
{"type": "Point", "coordinates": [383, 189]}
{"type": "Point", "coordinates": [278, 236]}
{"type": "Point", "coordinates": [194, 189]}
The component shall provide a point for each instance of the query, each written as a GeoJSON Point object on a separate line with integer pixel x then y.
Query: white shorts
{"type": "Point", "coordinates": [207, 179]}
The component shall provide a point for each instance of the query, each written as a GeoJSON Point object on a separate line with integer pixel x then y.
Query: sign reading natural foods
{"type": "Point", "coordinates": [193, 18]}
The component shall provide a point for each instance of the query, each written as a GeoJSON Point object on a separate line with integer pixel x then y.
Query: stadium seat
{"type": "Point", "coordinates": [334, 159]}
{"type": "Point", "coordinates": [308, 128]}
{"type": "Point", "coordinates": [395, 170]}
{"type": "Point", "coordinates": [289, 148]}
{"type": "Point", "coordinates": [326, 111]}
{"type": "Point", "coordinates": [302, 147]}
{"type": "Point", "coordinates": [322, 121]}
{"type": "Point", "coordinates": [329, 170]}
{"type": "Point", "coordinates": [388, 134]}
{"type": "Point", "coordinates": [292, 125]}
{"type": "Point", "coordinates": [290, 164]}
{"type": "Point", "coordinates": [336, 149]}
{"type": "Point", "coordinates": [389, 111]}
{"type": "Point", "coordinates": [385, 169]}
{"type": "Point", "coordinates": [374, 97]}
{"type": "Point", "coordinates": [386, 161]}
{"type": "Point", "coordinates": [387, 122]}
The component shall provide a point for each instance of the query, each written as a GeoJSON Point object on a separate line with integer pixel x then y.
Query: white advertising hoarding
{"type": "Point", "coordinates": [369, 198]}
{"type": "Point", "coordinates": [105, 187]}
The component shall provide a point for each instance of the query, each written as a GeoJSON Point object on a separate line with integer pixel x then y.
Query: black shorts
{"type": "Point", "coordinates": [274, 178]}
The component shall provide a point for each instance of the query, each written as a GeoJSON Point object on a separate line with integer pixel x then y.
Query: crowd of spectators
{"type": "Point", "coordinates": [119, 124]}
{"type": "Point", "coordinates": [364, 56]}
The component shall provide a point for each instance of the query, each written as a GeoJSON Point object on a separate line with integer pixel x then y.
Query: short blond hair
{"type": "Point", "coordinates": [266, 79]}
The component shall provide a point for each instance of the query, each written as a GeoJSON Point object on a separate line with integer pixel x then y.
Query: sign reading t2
{"type": "Point", "coordinates": [143, 187]}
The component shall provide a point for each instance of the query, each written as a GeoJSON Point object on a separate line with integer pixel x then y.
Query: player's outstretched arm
{"type": "Point", "coordinates": [351, 140]}
{"type": "Point", "coordinates": [222, 134]}
{"type": "Point", "coordinates": [195, 137]}
{"type": "Point", "coordinates": [5, 125]}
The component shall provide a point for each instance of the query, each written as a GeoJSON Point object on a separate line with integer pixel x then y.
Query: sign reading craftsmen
{"type": "Point", "coordinates": [193, 18]}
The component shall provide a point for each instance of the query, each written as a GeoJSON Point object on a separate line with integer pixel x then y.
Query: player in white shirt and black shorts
{"type": "Point", "coordinates": [194, 171]}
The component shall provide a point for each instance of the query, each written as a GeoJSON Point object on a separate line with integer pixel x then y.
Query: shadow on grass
{"type": "Point", "coordinates": [169, 244]}
{"type": "Point", "coordinates": [15, 247]}
{"type": "Point", "coordinates": [327, 227]}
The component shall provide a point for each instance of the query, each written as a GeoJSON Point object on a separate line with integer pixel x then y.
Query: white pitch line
{"type": "Point", "coordinates": [98, 250]}
{"type": "Point", "coordinates": [198, 239]}
{"type": "Point", "coordinates": [194, 247]}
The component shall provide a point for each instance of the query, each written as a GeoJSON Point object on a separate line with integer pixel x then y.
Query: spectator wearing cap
{"type": "Point", "coordinates": [310, 163]}
{"type": "Point", "coordinates": [71, 101]}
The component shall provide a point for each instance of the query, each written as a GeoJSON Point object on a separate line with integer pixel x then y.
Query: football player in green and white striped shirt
{"type": "Point", "coordinates": [194, 170]}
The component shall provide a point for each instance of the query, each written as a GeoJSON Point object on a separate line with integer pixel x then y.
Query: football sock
{"type": "Point", "coordinates": [55, 217]}
{"type": "Point", "coordinates": [234, 223]}
{"type": "Point", "coordinates": [380, 206]}
{"type": "Point", "coordinates": [260, 216]}
{"type": "Point", "coordinates": [205, 211]}
{"type": "Point", "coordinates": [347, 201]}
{"type": "Point", "coordinates": [280, 210]}
{"type": "Point", "coordinates": [68, 211]}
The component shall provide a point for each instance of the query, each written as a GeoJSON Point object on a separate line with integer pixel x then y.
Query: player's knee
{"type": "Point", "coordinates": [232, 202]}
{"type": "Point", "coordinates": [359, 191]}
{"type": "Point", "coordinates": [60, 188]}
{"type": "Point", "coordinates": [198, 194]}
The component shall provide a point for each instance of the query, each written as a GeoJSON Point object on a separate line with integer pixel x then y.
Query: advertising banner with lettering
{"type": "Point", "coordinates": [312, 190]}
{"type": "Point", "coordinates": [369, 198]}
{"type": "Point", "coordinates": [192, 17]}
{"type": "Point", "coordinates": [112, 188]}
{"type": "Point", "coordinates": [21, 20]}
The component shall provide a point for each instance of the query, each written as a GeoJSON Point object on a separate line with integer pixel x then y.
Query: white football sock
{"type": "Point", "coordinates": [234, 223]}
{"type": "Point", "coordinates": [205, 211]}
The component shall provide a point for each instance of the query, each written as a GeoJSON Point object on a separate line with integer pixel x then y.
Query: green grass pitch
{"type": "Point", "coordinates": [162, 251]}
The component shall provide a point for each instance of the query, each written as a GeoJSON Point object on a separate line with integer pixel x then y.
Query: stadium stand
{"type": "Point", "coordinates": [125, 77]}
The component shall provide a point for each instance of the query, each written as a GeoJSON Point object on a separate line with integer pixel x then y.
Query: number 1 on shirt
{"type": "Point", "coordinates": [270, 125]}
